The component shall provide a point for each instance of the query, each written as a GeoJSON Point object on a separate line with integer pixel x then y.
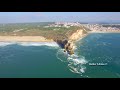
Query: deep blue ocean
{"type": "Point", "coordinates": [96, 56]}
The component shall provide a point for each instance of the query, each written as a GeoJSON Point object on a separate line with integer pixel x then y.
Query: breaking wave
{"type": "Point", "coordinates": [2, 44]}
{"type": "Point", "coordinates": [76, 63]}
{"type": "Point", "coordinates": [52, 44]}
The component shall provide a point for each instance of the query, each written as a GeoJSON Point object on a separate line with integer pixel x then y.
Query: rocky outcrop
{"type": "Point", "coordinates": [69, 47]}
{"type": "Point", "coordinates": [68, 43]}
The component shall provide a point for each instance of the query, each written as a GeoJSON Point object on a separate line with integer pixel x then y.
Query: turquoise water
{"type": "Point", "coordinates": [101, 48]}
{"type": "Point", "coordinates": [44, 60]}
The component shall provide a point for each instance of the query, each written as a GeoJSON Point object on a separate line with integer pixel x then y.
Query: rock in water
{"type": "Point", "coordinates": [71, 52]}
{"type": "Point", "coordinates": [64, 50]}
{"type": "Point", "coordinates": [69, 48]}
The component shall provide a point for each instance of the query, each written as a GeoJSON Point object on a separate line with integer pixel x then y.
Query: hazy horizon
{"type": "Point", "coordinates": [29, 17]}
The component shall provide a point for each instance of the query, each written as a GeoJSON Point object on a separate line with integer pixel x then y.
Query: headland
{"type": "Point", "coordinates": [64, 34]}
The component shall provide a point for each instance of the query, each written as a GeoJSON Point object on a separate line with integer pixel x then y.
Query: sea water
{"type": "Point", "coordinates": [96, 56]}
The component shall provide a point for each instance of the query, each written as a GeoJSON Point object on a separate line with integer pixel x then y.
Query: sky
{"type": "Point", "coordinates": [19, 17]}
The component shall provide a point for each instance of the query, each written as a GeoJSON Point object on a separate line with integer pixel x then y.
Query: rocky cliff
{"type": "Point", "coordinates": [76, 35]}
{"type": "Point", "coordinates": [69, 44]}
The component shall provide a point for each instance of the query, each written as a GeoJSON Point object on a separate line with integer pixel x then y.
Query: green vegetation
{"type": "Point", "coordinates": [37, 29]}
{"type": "Point", "coordinates": [13, 26]}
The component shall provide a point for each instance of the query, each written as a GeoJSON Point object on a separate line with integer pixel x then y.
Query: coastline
{"type": "Point", "coordinates": [104, 32]}
{"type": "Point", "coordinates": [82, 37]}
{"type": "Point", "coordinates": [74, 37]}
{"type": "Point", "coordinates": [24, 39]}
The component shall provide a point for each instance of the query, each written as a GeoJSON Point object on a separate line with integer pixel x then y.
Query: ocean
{"type": "Point", "coordinates": [96, 56]}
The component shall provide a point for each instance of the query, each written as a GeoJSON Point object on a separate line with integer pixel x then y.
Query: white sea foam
{"type": "Point", "coordinates": [52, 44]}
{"type": "Point", "coordinates": [2, 44]}
{"type": "Point", "coordinates": [78, 60]}
{"type": "Point", "coordinates": [61, 54]}
{"type": "Point", "coordinates": [76, 63]}
{"type": "Point", "coordinates": [38, 44]}
{"type": "Point", "coordinates": [83, 69]}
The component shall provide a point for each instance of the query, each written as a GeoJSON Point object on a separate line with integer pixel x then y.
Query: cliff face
{"type": "Point", "coordinates": [69, 46]}
{"type": "Point", "coordinates": [75, 36]}
{"type": "Point", "coordinates": [67, 43]}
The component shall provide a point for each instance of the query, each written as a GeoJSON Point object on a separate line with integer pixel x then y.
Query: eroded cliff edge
{"type": "Point", "coordinates": [68, 44]}
{"type": "Point", "coordinates": [65, 37]}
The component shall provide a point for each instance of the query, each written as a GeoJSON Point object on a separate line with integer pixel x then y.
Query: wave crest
{"type": "Point", "coordinates": [52, 44]}
{"type": "Point", "coordinates": [2, 44]}
{"type": "Point", "coordinates": [76, 63]}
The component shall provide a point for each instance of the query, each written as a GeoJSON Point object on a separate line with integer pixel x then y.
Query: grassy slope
{"type": "Point", "coordinates": [37, 29]}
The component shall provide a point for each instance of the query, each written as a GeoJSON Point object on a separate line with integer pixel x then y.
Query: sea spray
{"type": "Point", "coordinates": [36, 61]}
{"type": "Point", "coordinates": [76, 63]}
{"type": "Point", "coordinates": [2, 44]}
{"type": "Point", "coordinates": [51, 44]}
{"type": "Point", "coordinates": [61, 55]}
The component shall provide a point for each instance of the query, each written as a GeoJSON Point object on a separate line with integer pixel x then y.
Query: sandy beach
{"type": "Point", "coordinates": [24, 39]}
{"type": "Point", "coordinates": [104, 32]}
{"type": "Point", "coordinates": [75, 36]}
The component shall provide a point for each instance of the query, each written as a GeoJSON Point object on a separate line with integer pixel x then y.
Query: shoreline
{"type": "Point", "coordinates": [24, 39]}
{"type": "Point", "coordinates": [82, 37]}
{"type": "Point", "coordinates": [43, 39]}
{"type": "Point", "coordinates": [104, 32]}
